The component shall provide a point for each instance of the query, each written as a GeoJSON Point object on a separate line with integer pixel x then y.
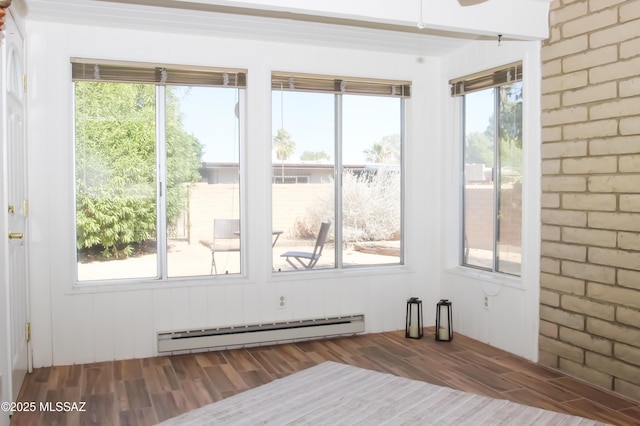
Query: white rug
{"type": "Point", "coordinates": [338, 394]}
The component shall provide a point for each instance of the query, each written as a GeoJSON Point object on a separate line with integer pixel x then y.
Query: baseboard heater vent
{"type": "Point", "coordinates": [256, 334]}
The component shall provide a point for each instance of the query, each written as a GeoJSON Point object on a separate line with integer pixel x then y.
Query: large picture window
{"type": "Point", "coordinates": [345, 136]}
{"type": "Point", "coordinates": [492, 159]}
{"type": "Point", "coordinates": [147, 140]}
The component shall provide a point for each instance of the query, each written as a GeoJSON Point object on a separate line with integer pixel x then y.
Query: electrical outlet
{"type": "Point", "coordinates": [282, 302]}
{"type": "Point", "coordinates": [485, 303]}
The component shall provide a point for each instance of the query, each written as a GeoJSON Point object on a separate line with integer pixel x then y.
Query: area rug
{"type": "Point", "coordinates": [336, 394]}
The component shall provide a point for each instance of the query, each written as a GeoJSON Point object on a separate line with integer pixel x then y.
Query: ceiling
{"type": "Point", "coordinates": [238, 22]}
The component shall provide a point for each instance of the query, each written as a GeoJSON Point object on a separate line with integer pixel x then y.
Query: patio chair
{"type": "Point", "coordinates": [309, 259]}
{"type": "Point", "coordinates": [226, 237]}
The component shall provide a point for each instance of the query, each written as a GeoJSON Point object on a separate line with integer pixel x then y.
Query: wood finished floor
{"type": "Point", "coordinates": [145, 391]}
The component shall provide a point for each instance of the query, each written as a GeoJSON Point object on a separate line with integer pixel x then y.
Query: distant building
{"type": "Point", "coordinates": [288, 172]}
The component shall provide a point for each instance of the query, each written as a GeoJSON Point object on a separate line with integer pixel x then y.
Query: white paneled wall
{"type": "Point", "coordinates": [78, 324]}
{"type": "Point", "coordinates": [75, 324]}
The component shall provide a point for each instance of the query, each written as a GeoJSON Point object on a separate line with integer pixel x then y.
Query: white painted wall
{"type": "Point", "coordinates": [73, 324]}
{"type": "Point", "coordinates": [511, 323]}
{"type": "Point", "coordinates": [517, 18]}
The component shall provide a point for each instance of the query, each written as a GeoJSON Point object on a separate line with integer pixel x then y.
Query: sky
{"type": "Point", "coordinates": [309, 118]}
{"type": "Point", "coordinates": [479, 106]}
{"type": "Point", "coordinates": [209, 114]}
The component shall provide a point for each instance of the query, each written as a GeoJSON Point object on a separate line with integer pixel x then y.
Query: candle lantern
{"type": "Point", "coordinates": [414, 325]}
{"type": "Point", "coordinates": [444, 321]}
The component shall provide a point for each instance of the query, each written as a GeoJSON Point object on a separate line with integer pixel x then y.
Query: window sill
{"type": "Point", "coordinates": [363, 271]}
{"type": "Point", "coordinates": [91, 287]}
{"type": "Point", "coordinates": [488, 277]}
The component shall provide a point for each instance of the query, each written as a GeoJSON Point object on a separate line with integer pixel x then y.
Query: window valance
{"type": "Point", "coordinates": [137, 72]}
{"type": "Point", "coordinates": [493, 77]}
{"type": "Point", "coordinates": [345, 85]}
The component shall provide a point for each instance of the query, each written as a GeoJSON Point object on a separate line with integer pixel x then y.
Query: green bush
{"type": "Point", "coordinates": [114, 223]}
{"type": "Point", "coordinates": [116, 165]}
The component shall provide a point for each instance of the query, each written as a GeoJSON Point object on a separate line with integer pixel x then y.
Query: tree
{"type": "Point", "coordinates": [509, 126]}
{"type": "Point", "coordinates": [480, 146]}
{"type": "Point", "coordinates": [284, 147]}
{"type": "Point", "coordinates": [116, 164]}
{"type": "Point", "coordinates": [184, 159]}
{"type": "Point", "coordinates": [314, 156]}
{"type": "Point", "coordinates": [385, 151]}
{"type": "Point", "coordinates": [478, 149]}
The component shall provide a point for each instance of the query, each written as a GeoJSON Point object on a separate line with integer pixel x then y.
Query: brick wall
{"type": "Point", "coordinates": [590, 277]}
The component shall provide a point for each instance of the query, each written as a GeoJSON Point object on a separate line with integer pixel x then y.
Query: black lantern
{"type": "Point", "coordinates": [413, 328]}
{"type": "Point", "coordinates": [444, 321]}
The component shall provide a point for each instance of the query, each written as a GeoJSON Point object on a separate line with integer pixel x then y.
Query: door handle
{"type": "Point", "coordinates": [16, 235]}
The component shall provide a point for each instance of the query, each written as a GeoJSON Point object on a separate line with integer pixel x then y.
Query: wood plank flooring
{"type": "Point", "coordinates": [146, 391]}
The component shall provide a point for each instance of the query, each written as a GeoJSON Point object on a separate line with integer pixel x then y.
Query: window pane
{"type": "Point", "coordinates": [303, 193]}
{"type": "Point", "coordinates": [510, 195]}
{"type": "Point", "coordinates": [115, 180]}
{"type": "Point", "coordinates": [371, 180]}
{"type": "Point", "coordinates": [479, 147]}
{"type": "Point", "coordinates": [203, 187]}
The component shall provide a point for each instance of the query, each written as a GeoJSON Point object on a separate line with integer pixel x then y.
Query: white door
{"type": "Point", "coordinates": [17, 208]}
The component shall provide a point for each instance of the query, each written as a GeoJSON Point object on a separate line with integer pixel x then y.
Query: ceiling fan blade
{"type": "Point", "coordinates": [470, 2]}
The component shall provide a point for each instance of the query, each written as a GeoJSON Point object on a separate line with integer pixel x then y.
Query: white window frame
{"type": "Point", "coordinates": [492, 78]}
{"type": "Point", "coordinates": [139, 72]}
{"type": "Point", "coordinates": [340, 86]}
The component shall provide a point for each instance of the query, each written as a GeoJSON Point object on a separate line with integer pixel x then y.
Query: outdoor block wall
{"type": "Point", "coordinates": [209, 201]}
{"type": "Point", "coordinates": [290, 202]}
{"type": "Point", "coordinates": [479, 200]}
{"type": "Point", "coordinates": [590, 265]}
